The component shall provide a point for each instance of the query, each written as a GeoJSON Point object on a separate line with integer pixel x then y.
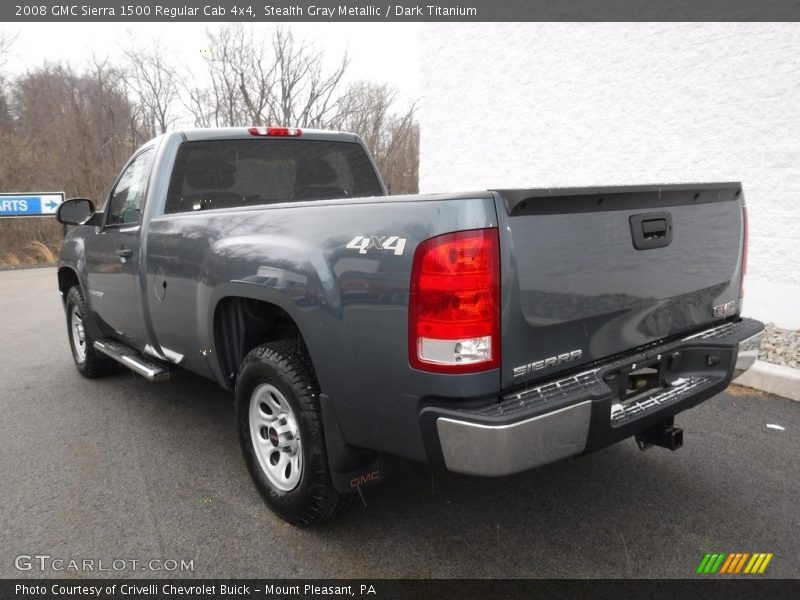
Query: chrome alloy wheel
{"type": "Point", "coordinates": [276, 437]}
{"type": "Point", "coordinates": [78, 334]}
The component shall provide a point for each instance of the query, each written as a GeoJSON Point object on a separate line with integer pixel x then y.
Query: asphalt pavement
{"type": "Point", "coordinates": [123, 469]}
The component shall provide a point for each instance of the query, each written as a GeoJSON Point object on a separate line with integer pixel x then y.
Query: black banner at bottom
{"type": "Point", "coordinates": [389, 589]}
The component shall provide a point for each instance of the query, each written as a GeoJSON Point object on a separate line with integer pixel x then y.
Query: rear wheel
{"type": "Point", "coordinates": [280, 431]}
{"type": "Point", "coordinates": [275, 437]}
{"type": "Point", "coordinates": [88, 361]}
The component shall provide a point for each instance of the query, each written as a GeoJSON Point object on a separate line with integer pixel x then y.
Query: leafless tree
{"type": "Point", "coordinates": [306, 94]}
{"type": "Point", "coordinates": [369, 107]}
{"type": "Point", "coordinates": [71, 131]}
{"type": "Point", "coordinates": [153, 82]}
{"type": "Point", "coordinates": [5, 113]}
{"type": "Point", "coordinates": [392, 137]}
{"type": "Point", "coordinates": [219, 102]}
{"type": "Point", "coordinates": [260, 81]}
{"type": "Point", "coordinates": [400, 158]}
{"type": "Point", "coordinates": [6, 41]}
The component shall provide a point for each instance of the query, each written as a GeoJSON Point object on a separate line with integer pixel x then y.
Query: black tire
{"type": "Point", "coordinates": [287, 367]}
{"type": "Point", "coordinates": [92, 364]}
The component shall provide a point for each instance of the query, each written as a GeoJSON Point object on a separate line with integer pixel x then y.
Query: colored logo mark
{"type": "Point", "coordinates": [735, 563]}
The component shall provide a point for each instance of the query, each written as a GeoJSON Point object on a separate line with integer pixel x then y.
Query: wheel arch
{"type": "Point", "coordinates": [67, 277]}
{"type": "Point", "coordinates": [243, 320]}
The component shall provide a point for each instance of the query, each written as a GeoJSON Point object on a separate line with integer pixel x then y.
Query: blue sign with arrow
{"type": "Point", "coordinates": [30, 205]}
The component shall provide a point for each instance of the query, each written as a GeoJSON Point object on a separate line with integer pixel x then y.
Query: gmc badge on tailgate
{"type": "Point", "coordinates": [725, 309]}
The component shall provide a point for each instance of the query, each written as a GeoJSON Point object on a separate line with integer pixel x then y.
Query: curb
{"type": "Point", "coordinates": [774, 379]}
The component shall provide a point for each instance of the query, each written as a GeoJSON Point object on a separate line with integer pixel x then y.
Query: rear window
{"type": "Point", "coordinates": [229, 173]}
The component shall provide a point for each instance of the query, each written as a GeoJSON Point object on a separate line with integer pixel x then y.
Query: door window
{"type": "Point", "coordinates": [127, 197]}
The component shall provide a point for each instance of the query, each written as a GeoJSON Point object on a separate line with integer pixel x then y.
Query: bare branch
{"type": "Point", "coordinates": [259, 81]}
{"type": "Point", "coordinates": [153, 82]}
{"type": "Point", "coordinates": [6, 42]}
{"type": "Point", "coordinates": [392, 137]}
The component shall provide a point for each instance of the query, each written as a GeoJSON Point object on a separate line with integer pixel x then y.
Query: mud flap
{"type": "Point", "coordinates": [351, 468]}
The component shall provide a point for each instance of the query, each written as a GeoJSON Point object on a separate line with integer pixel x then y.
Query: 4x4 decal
{"type": "Point", "coordinates": [363, 243]}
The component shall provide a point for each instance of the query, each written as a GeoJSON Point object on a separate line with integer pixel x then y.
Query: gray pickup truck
{"type": "Point", "coordinates": [486, 333]}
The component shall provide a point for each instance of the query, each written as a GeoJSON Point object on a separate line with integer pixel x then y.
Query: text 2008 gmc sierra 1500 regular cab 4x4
{"type": "Point", "coordinates": [486, 333]}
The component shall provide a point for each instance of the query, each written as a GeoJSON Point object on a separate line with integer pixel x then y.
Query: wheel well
{"type": "Point", "coordinates": [241, 324]}
{"type": "Point", "coordinates": [66, 279]}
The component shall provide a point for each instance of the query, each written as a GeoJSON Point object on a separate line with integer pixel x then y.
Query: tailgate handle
{"type": "Point", "coordinates": [654, 228]}
{"type": "Point", "coordinates": [651, 230]}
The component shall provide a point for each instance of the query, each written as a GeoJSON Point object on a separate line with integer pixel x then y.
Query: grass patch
{"type": "Point", "coordinates": [35, 241]}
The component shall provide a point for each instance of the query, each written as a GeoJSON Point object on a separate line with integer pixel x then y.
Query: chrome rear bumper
{"type": "Point", "coordinates": [577, 414]}
{"type": "Point", "coordinates": [748, 353]}
{"type": "Point", "coordinates": [493, 450]}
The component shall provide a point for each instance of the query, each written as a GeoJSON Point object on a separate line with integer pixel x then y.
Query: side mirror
{"type": "Point", "coordinates": [75, 211]}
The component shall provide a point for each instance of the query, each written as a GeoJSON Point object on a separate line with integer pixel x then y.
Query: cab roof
{"type": "Point", "coordinates": [236, 133]}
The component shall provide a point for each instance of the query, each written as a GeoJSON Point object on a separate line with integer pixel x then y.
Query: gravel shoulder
{"type": "Point", "coordinates": [781, 346]}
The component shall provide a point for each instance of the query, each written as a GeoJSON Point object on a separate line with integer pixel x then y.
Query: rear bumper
{"type": "Point", "coordinates": [748, 353]}
{"type": "Point", "coordinates": [581, 413]}
{"type": "Point", "coordinates": [480, 449]}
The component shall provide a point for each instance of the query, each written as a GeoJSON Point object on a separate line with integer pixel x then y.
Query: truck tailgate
{"type": "Point", "coordinates": [589, 273]}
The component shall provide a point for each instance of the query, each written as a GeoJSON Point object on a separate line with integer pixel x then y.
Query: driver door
{"type": "Point", "coordinates": [113, 255]}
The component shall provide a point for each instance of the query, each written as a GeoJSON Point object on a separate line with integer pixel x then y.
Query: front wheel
{"type": "Point", "coordinates": [281, 434]}
{"type": "Point", "coordinates": [88, 361]}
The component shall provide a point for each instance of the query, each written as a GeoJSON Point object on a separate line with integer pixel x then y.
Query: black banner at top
{"type": "Point", "coordinates": [246, 11]}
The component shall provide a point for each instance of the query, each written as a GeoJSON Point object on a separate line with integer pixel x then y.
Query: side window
{"type": "Point", "coordinates": [128, 195]}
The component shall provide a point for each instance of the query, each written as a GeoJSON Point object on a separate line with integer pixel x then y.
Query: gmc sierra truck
{"type": "Point", "coordinates": [486, 333]}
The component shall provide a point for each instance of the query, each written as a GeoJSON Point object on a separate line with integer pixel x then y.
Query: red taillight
{"type": "Point", "coordinates": [745, 235]}
{"type": "Point", "coordinates": [454, 304]}
{"type": "Point", "coordinates": [276, 131]}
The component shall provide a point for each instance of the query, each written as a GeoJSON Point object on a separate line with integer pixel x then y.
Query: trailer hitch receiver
{"type": "Point", "coordinates": [663, 434]}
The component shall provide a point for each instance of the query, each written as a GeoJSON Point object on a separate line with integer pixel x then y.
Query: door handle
{"type": "Point", "coordinates": [124, 252]}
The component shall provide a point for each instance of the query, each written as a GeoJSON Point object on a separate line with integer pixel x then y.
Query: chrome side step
{"type": "Point", "coordinates": [127, 356]}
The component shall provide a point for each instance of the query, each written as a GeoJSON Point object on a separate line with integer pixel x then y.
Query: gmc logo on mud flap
{"type": "Point", "coordinates": [373, 477]}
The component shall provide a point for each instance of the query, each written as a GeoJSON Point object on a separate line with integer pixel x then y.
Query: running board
{"type": "Point", "coordinates": [128, 357]}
